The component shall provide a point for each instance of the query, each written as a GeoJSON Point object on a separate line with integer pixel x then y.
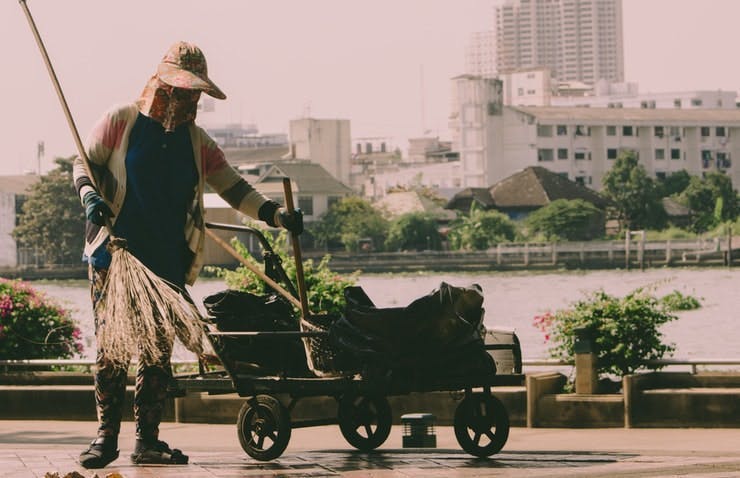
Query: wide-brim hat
{"type": "Point", "coordinates": [184, 66]}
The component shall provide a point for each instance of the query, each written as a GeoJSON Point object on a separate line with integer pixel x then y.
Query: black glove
{"type": "Point", "coordinates": [293, 222]}
{"type": "Point", "coordinates": [96, 209]}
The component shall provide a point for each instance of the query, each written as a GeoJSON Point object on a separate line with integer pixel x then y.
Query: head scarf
{"type": "Point", "coordinates": [168, 105]}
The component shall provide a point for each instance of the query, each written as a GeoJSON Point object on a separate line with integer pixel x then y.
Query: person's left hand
{"type": "Point", "coordinates": [293, 222]}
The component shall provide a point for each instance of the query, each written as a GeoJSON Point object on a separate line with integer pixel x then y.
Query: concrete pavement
{"type": "Point", "coordinates": [35, 448]}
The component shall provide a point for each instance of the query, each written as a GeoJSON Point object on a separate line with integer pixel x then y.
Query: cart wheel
{"type": "Point", "coordinates": [365, 421]}
{"type": "Point", "coordinates": [481, 425]}
{"type": "Point", "coordinates": [264, 427]}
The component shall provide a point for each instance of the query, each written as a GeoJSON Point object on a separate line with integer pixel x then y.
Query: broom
{"type": "Point", "coordinates": [139, 312]}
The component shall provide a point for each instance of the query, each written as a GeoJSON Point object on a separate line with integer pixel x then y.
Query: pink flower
{"type": "Point", "coordinates": [6, 306]}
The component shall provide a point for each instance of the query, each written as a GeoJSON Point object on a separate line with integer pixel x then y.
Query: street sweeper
{"type": "Point", "coordinates": [143, 181]}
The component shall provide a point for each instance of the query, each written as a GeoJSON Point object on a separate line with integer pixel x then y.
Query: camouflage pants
{"type": "Point", "coordinates": [150, 392]}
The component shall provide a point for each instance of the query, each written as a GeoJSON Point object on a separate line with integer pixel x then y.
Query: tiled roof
{"type": "Point", "coordinates": [399, 203]}
{"type": "Point", "coordinates": [536, 186]}
{"type": "Point", "coordinates": [306, 177]}
{"type": "Point", "coordinates": [462, 200]}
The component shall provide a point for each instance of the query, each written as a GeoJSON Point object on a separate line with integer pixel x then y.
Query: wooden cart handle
{"type": "Point", "coordinates": [295, 240]}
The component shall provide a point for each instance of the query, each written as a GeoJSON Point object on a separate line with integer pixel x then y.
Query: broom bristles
{"type": "Point", "coordinates": [141, 313]}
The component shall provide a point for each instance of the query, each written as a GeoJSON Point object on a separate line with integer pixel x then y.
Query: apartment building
{"type": "Point", "coordinates": [480, 54]}
{"type": "Point", "coordinates": [577, 40]}
{"type": "Point", "coordinates": [582, 143]}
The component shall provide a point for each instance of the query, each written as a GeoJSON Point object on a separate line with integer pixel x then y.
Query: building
{"type": "Point", "coordinates": [480, 55]}
{"type": "Point", "coordinates": [578, 40]}
{"type": "Point", "coordinates": [525, 191]}
{"type": "Point", "coordinates": [437, 176]}
{"type": "Point", "coordinates": [13, 192]}
{"type": "Point", "coordinates": [626, 95]}
{"type": "Point", "coordinates": [529, 87]}
{"type": "Point", "coordinates": [475, 100]}
{"type": "Point", "coordinates": [323, 141]}
{"type": "Point", "coordinates": [582, 143]}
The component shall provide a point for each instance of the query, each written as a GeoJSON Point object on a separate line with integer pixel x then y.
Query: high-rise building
{"type": "Point", "coordinates": [480, 55]}
{"type": "Point", "coordinates": [578, 40]}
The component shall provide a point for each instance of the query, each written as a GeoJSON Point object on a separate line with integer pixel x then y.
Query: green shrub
{"type": "Point", "coordinates": [678, 301]}
{"type": "Point", "coordinates": [625, 331]}
{"type": "Point", "coordinates": [413, 231]}
{"type": "Point", "coordinates": [572, 220]}
{"type": "Point", "coordinates": [325, 288]}
{"type": "Point", "coordinates": [480, 230]}
{"type": "Point", "coordinates": [34, 327]}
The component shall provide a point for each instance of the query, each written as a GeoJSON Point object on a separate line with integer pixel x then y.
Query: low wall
{"type": "Point", "coordinates": [660, 399]}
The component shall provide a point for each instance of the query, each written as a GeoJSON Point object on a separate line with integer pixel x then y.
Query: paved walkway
{"type": "Point", "coordinates": [35, 448]}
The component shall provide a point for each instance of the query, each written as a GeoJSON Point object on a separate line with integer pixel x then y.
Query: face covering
{"type": "Point", "coordinates": [167, 104]}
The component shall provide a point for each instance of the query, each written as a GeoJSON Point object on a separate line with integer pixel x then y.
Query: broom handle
{"type": "Point", "coordinates": [253, 268]}
{"type": "Point", "coordinates": [296, 251]}
{"type": "Point", "coordinates": [62, 99]}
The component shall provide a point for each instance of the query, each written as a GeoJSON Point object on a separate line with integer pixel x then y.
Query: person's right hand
{"type": "Point", "coordinates": [96, 209]}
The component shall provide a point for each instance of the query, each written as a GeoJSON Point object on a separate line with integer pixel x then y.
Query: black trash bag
{"type": "Point", "coordinates": [238, 311]}
{"type": "Point", "coordinates": [439, 334]}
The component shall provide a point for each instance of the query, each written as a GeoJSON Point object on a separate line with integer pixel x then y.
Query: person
{"type": "Point", "coordinates": [150, 164]}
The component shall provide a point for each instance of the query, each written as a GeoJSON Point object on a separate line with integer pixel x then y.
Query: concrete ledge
{"type": "Point", "coordinates": [204, 408]}
{"type": "Point", "coordinates": [581, 411]}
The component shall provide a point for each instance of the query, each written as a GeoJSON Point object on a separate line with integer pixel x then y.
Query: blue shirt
{"type": "Point", "coordinates": [152, 219]}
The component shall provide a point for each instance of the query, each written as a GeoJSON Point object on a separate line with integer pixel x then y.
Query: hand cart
{"type": "Point", "coordinates": [364, 415]}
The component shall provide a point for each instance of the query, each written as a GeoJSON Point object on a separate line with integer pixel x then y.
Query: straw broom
{"type": "Point", "coordinates": [139, 312]}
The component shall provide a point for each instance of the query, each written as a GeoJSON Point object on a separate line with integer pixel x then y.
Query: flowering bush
{"type": "Point", "coordinates": [624, 330]}
{"type": "Point", "coordinates": [34, 327]}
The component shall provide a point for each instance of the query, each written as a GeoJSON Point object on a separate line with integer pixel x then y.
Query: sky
{"type": "Point", "coordinates": [385, 65]}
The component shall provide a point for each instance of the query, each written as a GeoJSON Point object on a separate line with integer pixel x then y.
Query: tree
{"type": "Point", "coordinates": [712, 199]}
{"type": "Point", "coordinates": [52, 218]}
{"type": "Point", "coordinates": [481, 229]}
{"type": "Point", "coordinates": [349, 220]}
{"type": "Point", "coordinates": [414, 231]}
{"type": "Point", "coordinates": [674, 183]}
{"type": "Point", "coordinates": [572, 220]}
{"type": "Point", "coordinates": [635, 194]}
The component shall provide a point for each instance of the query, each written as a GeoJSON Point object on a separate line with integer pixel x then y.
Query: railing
{"type": "Point", "coordinates": [693, 363]}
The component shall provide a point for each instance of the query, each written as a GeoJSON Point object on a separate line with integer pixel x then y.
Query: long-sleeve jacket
{"type": "Point", "coordinates": [106, 150]}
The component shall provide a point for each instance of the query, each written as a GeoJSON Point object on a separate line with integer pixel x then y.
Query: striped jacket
{"type": "Point", "coordinates": [106, 149]}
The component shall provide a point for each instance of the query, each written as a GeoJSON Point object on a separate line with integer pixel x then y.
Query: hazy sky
{"type": "Point", "coordinates": [368, 61]}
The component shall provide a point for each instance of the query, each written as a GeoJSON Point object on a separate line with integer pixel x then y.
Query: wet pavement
{"type": "Point", "coordinates": [35, 448]}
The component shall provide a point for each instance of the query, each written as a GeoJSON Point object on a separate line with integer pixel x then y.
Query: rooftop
{"type": "Point", "coordinates": [665, 116]}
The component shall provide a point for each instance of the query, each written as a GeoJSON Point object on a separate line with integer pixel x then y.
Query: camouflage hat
{"type": "Point", "coordinates": [184, 66]}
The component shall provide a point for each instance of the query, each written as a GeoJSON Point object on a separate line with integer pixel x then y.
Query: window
{"type": "Point", "coordinates": [382, 147]}
{"type": "Point", "coordinates": [611, 153]}
{"type": "Point", "coordinates": [562, 130]}
{"type": "Point", "coordinates": [611, 130]}
{"type": "Point", "coordinates": [696, 102]}
{"type": "Point", "coordinates": [659, 132]}
{"type": "Point", "coordinates": [677, 103]}
{"type": "Point", "coordinates": [562, 153]}
{"type": "Point", "coordinates": [544, 131]}
{"type": "Point", "coordinates": [660, 174]}
{"type": "Point", "coordinates": [705, 131]}
{"type": "Point", "coordinates": [706, 158]}
{"type": "Point", "coordinates": [359, 148]}
{"type": "Point", "coordinates": [675, 133]}
{"type": "Point", "coordinates": [581, 180]}
{"type": "Point", "coordinates": [723, 160]}
{"type": "Point", "coordinates": [368, 148]}
{"type": "Point", "coordinates": [675, 153]}
{"type": "Point", "coordinates": [582, 130]}
{"type": "Point", "coordinates": [660, 153]}
{"type": "Point", "coordinates": [544, 155]}
{"type": "Point", "coordinates": [520, 91]}
{"type": "Point", "coordinates": [305, 203]}
{"type": "Point", "coordinates": [626, 130]}
{"type": "Point", "coordinates": [720, 131]}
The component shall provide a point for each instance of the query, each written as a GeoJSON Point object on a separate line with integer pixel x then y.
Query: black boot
{"type": "Point", "coordinates": [156, 452]}
{"type": "Point", "coordinates": [102, 451]}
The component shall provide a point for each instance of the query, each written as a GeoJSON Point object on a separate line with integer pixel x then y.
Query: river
{"type": "Point", "coordinates": [511, 300]}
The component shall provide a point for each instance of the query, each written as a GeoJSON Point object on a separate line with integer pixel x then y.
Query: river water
{"type": "Point", "coordinates": [511, 300]}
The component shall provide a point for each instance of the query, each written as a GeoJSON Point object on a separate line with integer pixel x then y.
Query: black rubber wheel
{"type": "Point", "coordinates": [481, 425]}
{"type": "Point", "coordinates": [365, 421]}
{"type": "Point", "coordinates": [264, 427]}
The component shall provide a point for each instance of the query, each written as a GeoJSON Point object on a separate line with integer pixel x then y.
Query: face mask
{"type": "Point", "coordinates": [168, 105]}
